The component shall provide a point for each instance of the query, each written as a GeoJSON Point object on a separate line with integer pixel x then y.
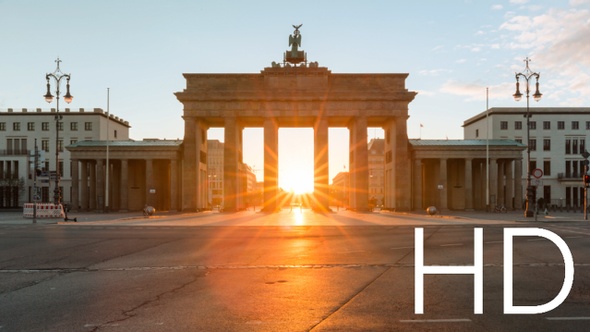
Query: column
{"type": "Point", "coordinates": [501, 172]}
{"type": "Point", "coordinates": [468, 184]}
{"type": "Point", "coordinates": [124, 186]}
{"type": "Point", "coordinates": [75, 185]}
{"type": "Point", "coordinates": [100, 185]}
{"type": "Point", "coordinates": [401, 166]}
{"type": "Point", "coordinates": [149, 182]}
{"type": "Point", "coordinates": [417, 185]}
{"type": "Point", "coordinates": [321, 167]}
{"type": "Point", "coordinates": [271, 165]}
{"type": "Point", "coordinates": [190, 165]}
{"type": "Point", "coordinates": [443, 181]}
{"type": "Point", "coordinates": [509, 185]}
{"type": "Point", "coordinates": [493, 182]}
{"type": "Point", "coordinates": [359, 165]}
{"type": "Point", "coordinates": [173, 185]}
{"type": "Point", "coordinates": [518, 184]}
{"type": "Point", "coordinates": [84, 186]}
{"type": "Point", "coordinates": [232, 181]}
{"type": "Point", "coordinates": [92, 187]}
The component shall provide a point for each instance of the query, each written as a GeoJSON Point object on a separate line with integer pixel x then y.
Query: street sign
{"type": "Point", "coordinates": [537, 173]}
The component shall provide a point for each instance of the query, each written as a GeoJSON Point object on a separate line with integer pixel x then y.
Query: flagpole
{"type": "Point", "coordinates": [107, 173]}
{"type": "Point", "coordinates": [487, 154]}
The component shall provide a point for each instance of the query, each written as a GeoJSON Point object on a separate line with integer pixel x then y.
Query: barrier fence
{"type": "Point", "coordinates": [44, 210]}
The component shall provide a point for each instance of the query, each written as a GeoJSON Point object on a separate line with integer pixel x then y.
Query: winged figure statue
{"type": "Point", "coordinates": [295, 40]}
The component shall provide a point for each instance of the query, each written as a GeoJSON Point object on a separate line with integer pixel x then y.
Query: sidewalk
{"type": "Point", "coordinates": [293, 218]}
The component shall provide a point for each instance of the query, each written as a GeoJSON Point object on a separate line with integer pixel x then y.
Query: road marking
{"type": "Point", "coordinates": [449, 320]}
{"type": "Point", "coordinates": [452, 245]}
{"type": "Point", "coordinates": [492, 242]}
{"type": "Point", "coordinates": [401, 248]}
{"type": "Point", "coordinates": [567, 318]}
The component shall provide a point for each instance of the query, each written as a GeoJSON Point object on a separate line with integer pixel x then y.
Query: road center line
{"type": "Point", "coordinates": [401, 248]}
{"type": "Point", "coordinates": [567, 318]}
{"type": "Point", "coordinates": [452, 245]}
{"type": "Point", "coordinates": [449, 320]}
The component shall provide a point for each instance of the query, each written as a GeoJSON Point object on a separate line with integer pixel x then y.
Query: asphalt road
{"type": "Point", "coordinates": [102, 276]}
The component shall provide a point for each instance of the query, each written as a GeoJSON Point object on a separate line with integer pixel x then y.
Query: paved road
{"type": "Point", "coordinates": [282, 272]}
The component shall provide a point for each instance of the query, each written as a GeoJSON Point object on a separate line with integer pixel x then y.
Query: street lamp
{"type": "Point", "coordinates": [57, 75]}
{"type": "Point", "coordinates": [527, 74]}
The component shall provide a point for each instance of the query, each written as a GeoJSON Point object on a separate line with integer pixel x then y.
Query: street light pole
{"type": "Point", "coordinates": [527, 74]}
{"type": "Point", "coordinates": [57, 75]}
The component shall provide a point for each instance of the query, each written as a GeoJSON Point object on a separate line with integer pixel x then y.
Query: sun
{"type": "Point", "coordinates": [296, 180]}
{"type": "Point", "coordinates": [296, 160]}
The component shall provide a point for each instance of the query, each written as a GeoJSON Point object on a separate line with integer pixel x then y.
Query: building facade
{"type": "Point", "coordinates": [215, 172]}
{"type": "Point", "coordinates": [557, 137]}
{"type": "Point", "coordinates": [453, 174]}
{"type": "Point", "coordinates": [20, 129]}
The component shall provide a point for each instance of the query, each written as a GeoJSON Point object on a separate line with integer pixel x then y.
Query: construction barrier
{"type": "Point", "coordinates": [44, 210]}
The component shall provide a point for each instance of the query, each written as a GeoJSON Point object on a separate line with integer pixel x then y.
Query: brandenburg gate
{"type": "Point", "coordinates": [295, 93]}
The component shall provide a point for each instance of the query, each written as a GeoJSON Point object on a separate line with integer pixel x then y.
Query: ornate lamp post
{"type": "Point", "coordinates": [57, 75]}
{"type": "Point", "coordinates": [527, 74]}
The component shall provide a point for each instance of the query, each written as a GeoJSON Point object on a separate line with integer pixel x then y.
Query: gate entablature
{"type": "Point", "coordinates": [284, 92]}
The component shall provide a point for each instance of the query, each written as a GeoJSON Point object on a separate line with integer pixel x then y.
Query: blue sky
{"type": "Point", "coordinates": [452, 49]}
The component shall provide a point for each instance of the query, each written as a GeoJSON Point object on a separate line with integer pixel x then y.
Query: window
{"type": "Point", "coordinates": [575, 125]}
{"type": "Point", "coordinates": [518, 125]}
{"type": "Point", "coordinates": [88, 126]}
{"type": "Point", "coordinates": [16, 126]}
{"type": "Point", "coordinates": [73, 141]}
{"type": "Point", "coordinates": [2, 126]}
{"type": "Point", "coordinates": [503, 125]}
{"type": "Point", "coordinates": [74, 126]}
{"type": "Point", "coordinates": [518, 139]}
{"type": "Point", "coordinates": [45, 126]}
{"type": "Point", "coordinates": [546, 144]}
{"type": "Point", "coordinates": [533, 125]}
{"type": "Point", "coordinates": [45, 145]}
{"type": "Point", "coordinates": [561, 125]}
{"type": "Point", "coordinates": [60, 126]}
{"type": "Point", "coordinates": [587, 125]}
{"type": "Point", "coordinates": [546, 125]}
{"type": "Point", "coordinates": [60, 145]}
{"type": "Point", "coordinates": [115, 133]}
{"type": "Point", "coordinates": [31, 126]}
{"type": "Point", "coordinates": [533, 144]}
{"type": "Point", "coordinates": [476, 132]}
{"type": "Point", "coordinates": [547, 167]}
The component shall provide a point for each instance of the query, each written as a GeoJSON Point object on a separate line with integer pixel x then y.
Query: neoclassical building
{"type": "Point", "coordinates": [173, 175]}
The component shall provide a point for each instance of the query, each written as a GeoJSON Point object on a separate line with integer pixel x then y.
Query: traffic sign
{"type": "Point", "coordinates": [537, 173]}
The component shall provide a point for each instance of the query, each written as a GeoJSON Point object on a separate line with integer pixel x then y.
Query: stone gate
{"type": "Point", "coordinates": [295, 93]}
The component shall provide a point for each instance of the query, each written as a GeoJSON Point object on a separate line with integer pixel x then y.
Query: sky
{"type": "Point", "coordinates": [452, 50]}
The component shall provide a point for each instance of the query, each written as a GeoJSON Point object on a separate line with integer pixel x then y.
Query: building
{"type": "Point", "coordinates": [558, 136]}
{"type": "Point", "coordinates": [133, 174]}
{"type": "Point", "coordinates": [340, 190]}
{"type": "Point", "coordinates": [215, 172]}
{"type": "Point", "coordinates": [452, 174]}
{"type": "Point", "coordinates": [22, 129]}
{"type": "Point", "coordinates": [376, 171]}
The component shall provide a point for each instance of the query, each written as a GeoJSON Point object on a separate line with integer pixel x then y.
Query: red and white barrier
{"type": "Point", "coordinates": [44, 210]}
